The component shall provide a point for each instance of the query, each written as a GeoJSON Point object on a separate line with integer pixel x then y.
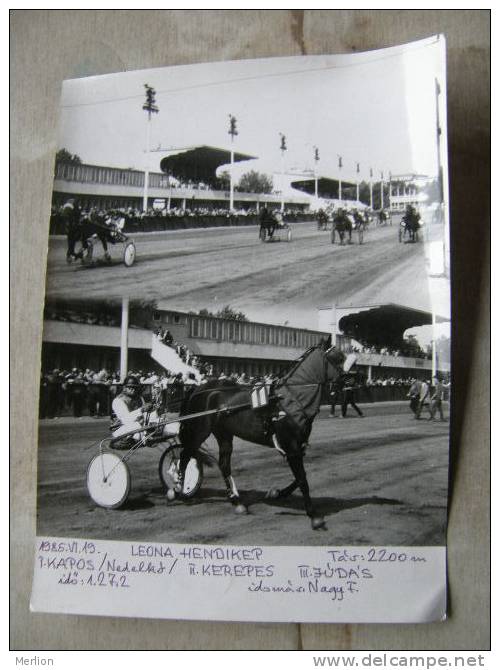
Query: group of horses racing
{"type": "Point", "coordinates": [279, 418]}
{"type": "Point", "coordinates": [342, 222]}
{"type": "Point", "coordinates": [84, 228]}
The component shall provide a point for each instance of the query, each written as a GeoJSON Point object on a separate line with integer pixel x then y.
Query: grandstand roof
{"type": "Point", "coordinates": [383, 325]}
{"type": "Point", "coordinates": [199, 163]}
{"type": "Point", "coordinates": [327, 187]}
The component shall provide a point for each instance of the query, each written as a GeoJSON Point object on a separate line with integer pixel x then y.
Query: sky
{"type": "Point", "coordinates": [377, 108]}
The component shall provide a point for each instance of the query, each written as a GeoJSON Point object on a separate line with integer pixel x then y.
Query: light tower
{"type": "Point", "coordinates": [357, 182]}
{"type": "Point", "coordinates": [340, 178]}
{"type": "Point", "coordinates": [381, 190]}
{"type": "Point", "coordinates": [316, 161]}
{"type": "Point", "coordinates": [151, 108]}
{"type": "Point", "coordinates": [371, 188]}
{"type": "Point", "coordinates": [283, 148]}
{"type": "Point", "coordinates": [232, 131]}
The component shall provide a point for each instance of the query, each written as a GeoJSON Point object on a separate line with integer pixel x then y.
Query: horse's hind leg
{"type": "Point", "coordinates": [187, 453]}
{"type": "Point", "coordinates": [225, 443]}
{"type": "Point", "coordinates": [104, 243]}
{"type": "Point", "coordinates": [282, 493]}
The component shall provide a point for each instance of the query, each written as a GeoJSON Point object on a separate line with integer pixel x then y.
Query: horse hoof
{"type": "Point", "coordinates": [170, 494]}
{"type": "Point", "coordinates": [318, 522]}
{"type": "Point", "coordinates": [273, 494]}
{"type": "Point", "coordinates": [240, 509]}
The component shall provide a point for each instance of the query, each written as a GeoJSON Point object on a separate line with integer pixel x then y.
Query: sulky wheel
{"type": "Point", "coordinates": [332, 235]}
{"type": "Point", "coordinates": [108, 480]}
{"type": "Point", "coordinates": [129, 254]}
{"type": "Point", "coordinates": [289, 235]}
{"type": "Point", "coordinates": [169, 472]}
{"type": "Point", "coordinates": [262, 234]}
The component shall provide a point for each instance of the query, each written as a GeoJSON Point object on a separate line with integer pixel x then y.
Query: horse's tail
{"type": "Point", "coordinates": [196, 430]}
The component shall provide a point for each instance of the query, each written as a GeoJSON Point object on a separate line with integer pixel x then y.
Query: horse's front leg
{"type": "Point", "coordinates": [225, 452]}
{"type": "Point", "coordinates": [295, 458]}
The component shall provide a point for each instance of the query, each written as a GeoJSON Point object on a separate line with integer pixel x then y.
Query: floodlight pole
{"type": "Point", "coordinates": [151, 108]}
{"type": "Point", "coordinates": [433, 343]}
{"type": "Point", "coordinates": [371, 189]}
{"type": "Point", "coordinates": [390, 192]}
{"type": "Point", "coordinates": [357, 182]}
{"type": "Point", "coordinates": [232, 131]}
{"type": "Point", "coordinates": [124, 339]}
{"type": "Point", "coordinates": [146, 169]}
{"type": "Point", "coordinates": [381, 190]}
{"type": "Point", "coordinates": [316, 159]}
{"type": "Point", "coordinates": [441, 182]}
{"type": "Point", "coordinates": [283, 149]}
{"type": "Point", "coordinates": [340, 178]}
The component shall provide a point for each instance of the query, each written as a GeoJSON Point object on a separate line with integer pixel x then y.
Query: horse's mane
{"type": "Point", "coordinates": [288, 376]}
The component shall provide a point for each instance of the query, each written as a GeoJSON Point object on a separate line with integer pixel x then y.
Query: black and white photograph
{"type": "Point", "coordinates": [246, 343]}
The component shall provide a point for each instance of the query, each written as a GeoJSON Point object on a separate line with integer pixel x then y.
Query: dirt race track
{"type": "Point", "coordinates": [210, 268]}
{"type": "Point", "coordinates": [378, 480]}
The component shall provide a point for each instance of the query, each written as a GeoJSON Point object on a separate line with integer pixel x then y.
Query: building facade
{"type": "Point", "coordinates": [407, 189]}
{"type": "Point", "coordinates": [113, 188]}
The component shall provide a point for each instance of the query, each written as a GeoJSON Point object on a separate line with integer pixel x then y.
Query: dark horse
{"type": "Point", "coordinates": [341, 225]}
{"type": "Point", "coordinates": [80, 228]}
{"type": "Point", "coordinates": [285, 423]}
{"type": "Point", "coordinates": [322, 219]}
{"type": "Point", "coordinates": [411, 222]}
{"type": "Point", "coordinates": [268, 223]}
{"type": "Point", "coordinates": [382, 217]}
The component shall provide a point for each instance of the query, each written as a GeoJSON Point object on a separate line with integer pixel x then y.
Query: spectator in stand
{"type": "Point", "coordinates": [78, 386]}
{"type": "Point", "coordinates": [54, 394]}
{"type": "Point", "coordinates": [190, 382]}
{"type": "Point", "coordinates": [44, 396]}
{"type": "Point", "coordinates": [98, 394]}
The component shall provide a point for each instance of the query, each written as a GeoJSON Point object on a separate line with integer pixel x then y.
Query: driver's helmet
{"type": "Point", "coordinates": [130, 380]}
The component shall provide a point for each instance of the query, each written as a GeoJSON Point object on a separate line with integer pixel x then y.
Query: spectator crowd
{"type": "Point", "coordinates": [134, 216]}
{"type": "Point", "coordinates": [89, 392]}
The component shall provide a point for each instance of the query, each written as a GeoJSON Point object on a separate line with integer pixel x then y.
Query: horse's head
{"type": "Point", "coordinates": [334, 363]}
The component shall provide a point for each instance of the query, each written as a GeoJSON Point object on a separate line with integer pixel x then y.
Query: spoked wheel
{"type": "Point", "coordinates": [169, 472]}
{"type": "Point", "coordinates": [108, 480]}
{"type": "Point", "coordinates": [262, 234]}
{"type": "Point", "coordinates": [129, 254]}
{"type": "Point", "coordinates": [332, 236]}
{"type": "Point", "coordinates": [289, 235]}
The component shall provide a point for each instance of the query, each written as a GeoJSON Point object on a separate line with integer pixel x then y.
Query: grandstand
{"type": "Point", "coordinates": [187, 181]}
{"type": "Point", "coordinates": [88, 336]}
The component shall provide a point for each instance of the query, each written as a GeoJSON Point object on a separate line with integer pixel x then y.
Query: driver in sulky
{"type": "Point", "coordinates": [129, 408]}
{"type": "Point", "coordinates": [132, 412]}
